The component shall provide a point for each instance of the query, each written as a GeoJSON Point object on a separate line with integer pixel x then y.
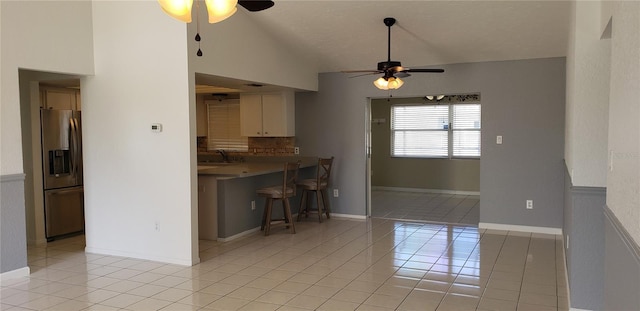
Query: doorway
{"type": "Point", "coordinates": [66, 96]}
{"type": "Point", "coordinates": [406, 186]}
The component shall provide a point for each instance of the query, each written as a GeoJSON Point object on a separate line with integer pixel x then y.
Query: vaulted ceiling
{"type": "Point", "coordinates": [351, 35]}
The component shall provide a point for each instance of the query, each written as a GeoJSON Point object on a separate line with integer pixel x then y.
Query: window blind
{"type": "Point", "coordinates": [224, 125]}
{"type": "Point", "coordinates": [466, 130]}
{"type": "Point", "coordinates": [435, 131]}
{"type": "Point", "coordinates": [420, 131]}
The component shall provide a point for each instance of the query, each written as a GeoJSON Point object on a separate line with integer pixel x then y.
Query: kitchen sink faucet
{"type": "Point", "coordinates": [225, 156]}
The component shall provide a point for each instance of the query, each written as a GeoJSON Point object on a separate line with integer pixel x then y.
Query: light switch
{"type": "Point", "coordinates": [499, 139]}
{"type": "Point", "coordinates": [156, 127]}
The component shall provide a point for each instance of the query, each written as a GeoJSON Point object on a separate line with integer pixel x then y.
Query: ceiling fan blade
{"type": "Point", "coordinates": [398, 68]}
{"type": "Point", "coordinates": [402, 74]}
{"type": "Point", "coordinates": [256, 5]}
{"type": "Point", "coordinates": [424, 70]}
{"type": "Point", "coordinates": [365, 74]}
{"type": "Point", "coordinates": [357, 71]}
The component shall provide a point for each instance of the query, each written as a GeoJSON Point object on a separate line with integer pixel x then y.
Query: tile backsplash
{"type": "Point", "coordinates": [267, 146]}
{"type": "Point", "coordinates": [272, 145]}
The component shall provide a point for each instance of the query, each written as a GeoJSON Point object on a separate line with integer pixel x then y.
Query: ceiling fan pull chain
{"type": "Point", "coordinates": [199, 53]}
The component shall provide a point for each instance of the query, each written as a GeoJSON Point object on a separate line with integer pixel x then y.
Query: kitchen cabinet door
{"type": "Point", "coordinates": [268, 115]}
{"type": "Point", "coordinates": [60, 99]}
{"type": "Point", "coordinates": [251, 115]}
{"type": "Point", "coordinates": [273, 115]}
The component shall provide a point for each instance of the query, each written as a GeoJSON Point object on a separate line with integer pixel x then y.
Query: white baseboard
{"type": "Point", "coordinates": [532, 229]}
{"type": "Point", "coordinates": [576, 309]}
{"type": "Point", "coordinates": [420, 190]}
{"type": "Point", "coordinates": [172, 260]}
{"type": "Point", "coordinates": [350, 216]}
{"type": "Point", "coordinates": [14, 274]}
{"type": "Point", "coordinates": [239, 235]}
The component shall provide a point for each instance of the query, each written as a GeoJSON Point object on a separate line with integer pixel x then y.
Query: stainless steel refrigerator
{"type": "Point", "coordinates": [62, 172]}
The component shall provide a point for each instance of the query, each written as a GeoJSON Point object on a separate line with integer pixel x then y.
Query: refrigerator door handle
{"type": "Point", "coordinates": [72, 138]}
{"type": "Point", "coordinates": [76, 145]}
{"type": "Point", "coordinates": [71, 147]}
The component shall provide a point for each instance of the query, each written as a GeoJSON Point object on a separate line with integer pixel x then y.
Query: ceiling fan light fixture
{"type": "Point", "coordinates": [388, 83]}
{"type": "Point", "coordinates": [178, 9]}
{"type": "Point", "coordinates": [436, 97]}
{"type": "Point", "coordinates": [395, 83]}
{"type": "Point", "coordinates": [381, 83]}
{"type": "Point", "coordinates": [220, 10]}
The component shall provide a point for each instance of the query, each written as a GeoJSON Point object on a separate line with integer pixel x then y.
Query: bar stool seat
{"type": "Point", "coordinates": [280, 192]}
{"type": "Point", "coordinates": [275, 192]}
{"type": "Point", "coordinates": [319, 186]}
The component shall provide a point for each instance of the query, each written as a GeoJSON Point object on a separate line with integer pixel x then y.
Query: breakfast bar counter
{"type": "Point", "coordinates": [227, 201]}
{"type": "Point", "coordinates": [248, 169]}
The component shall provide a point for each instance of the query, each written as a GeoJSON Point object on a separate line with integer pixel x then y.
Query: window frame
{"type": "Point", "coordinates": [449, 129]}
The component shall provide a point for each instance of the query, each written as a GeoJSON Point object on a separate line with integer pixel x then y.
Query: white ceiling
{"type": "Point", "coordinates": [350, 35]}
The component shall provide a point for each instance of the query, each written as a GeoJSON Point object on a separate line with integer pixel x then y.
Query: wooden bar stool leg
{"type": "Point", "coordinates": [268, 223]}
{"type": "Point", "coordinates": [308, 206]}
{"type": "Point", "coordinates": [325, 202]}
{"type": "Point", "coordinates": [302, 200]}
{"type": "Point", "coordinates": [288, 214]}
{"type": "Point", "coordinates": [284, 212]}
{"type": "Point", "coordinates": [318, 194]}
{"type": "Point", "coordinates": [264, 215]}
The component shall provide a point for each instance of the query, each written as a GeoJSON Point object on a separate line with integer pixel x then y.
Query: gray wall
{"type": "Point", "coordinates": [521, 100]}
{"type": "Point", "coordinates": [584, 231]}
{"type": "Point", "coordinates": [524, 102]}
{"type": "Point", "coordinates": [621, 266]}
{"type": "Point", "coordinates": [439, 174]}
{"type": "Point", "coordinates": [236, 195]}
{"type": "Point", "coordinates": [13, 235]}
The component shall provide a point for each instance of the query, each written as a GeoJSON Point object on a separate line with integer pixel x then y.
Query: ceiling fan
{"type": "Point", "coordinates": [218, 10]}
{"type": "Point", "coordinates": [255, 5]}
{"type": "Point", "coordinates": [392, 70]}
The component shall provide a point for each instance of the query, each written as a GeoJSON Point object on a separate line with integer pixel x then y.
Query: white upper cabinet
{"type": "Point", "coordinates": [60, 98]}
{"type": "Point", "coordinates": [268, 114]}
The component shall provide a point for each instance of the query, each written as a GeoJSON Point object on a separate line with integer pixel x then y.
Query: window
{"type": "Point", "coordinates": [224, 125]}
{"type": "Point", "coordinates": [435, 131]}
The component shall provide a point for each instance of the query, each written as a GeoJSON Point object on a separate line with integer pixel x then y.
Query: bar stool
{"type": "Point", "coordinates": [319, 186]}
{"type": "Point", "coordinates": [280, 192]}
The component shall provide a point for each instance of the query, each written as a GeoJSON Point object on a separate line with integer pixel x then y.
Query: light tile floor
{"type": "Point", "coordinates": [430, 207]}
{"type": "Point", "coordinates": [340, 264]}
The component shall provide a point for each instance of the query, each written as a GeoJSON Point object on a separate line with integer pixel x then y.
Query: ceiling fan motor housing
{"type": "Point", "coordinates": [383, 66]}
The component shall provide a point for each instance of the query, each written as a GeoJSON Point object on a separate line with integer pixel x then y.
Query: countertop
{"type": "Point", "coordinates": [248, 169]}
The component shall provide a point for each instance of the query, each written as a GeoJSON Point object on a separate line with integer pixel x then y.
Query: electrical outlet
{"type": "Point", "coordinates": [499, 139]}
{"type": "Point", "coordinates": [335, 193]}
{"type": "Point", "coordinates": [529, 204]}
{"type": "Point", "coordinates": [296, 150]}
{"type": "Point", "coordinates": [157, 226]}
{"type": "Point", "coordinates": [253, 205]}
